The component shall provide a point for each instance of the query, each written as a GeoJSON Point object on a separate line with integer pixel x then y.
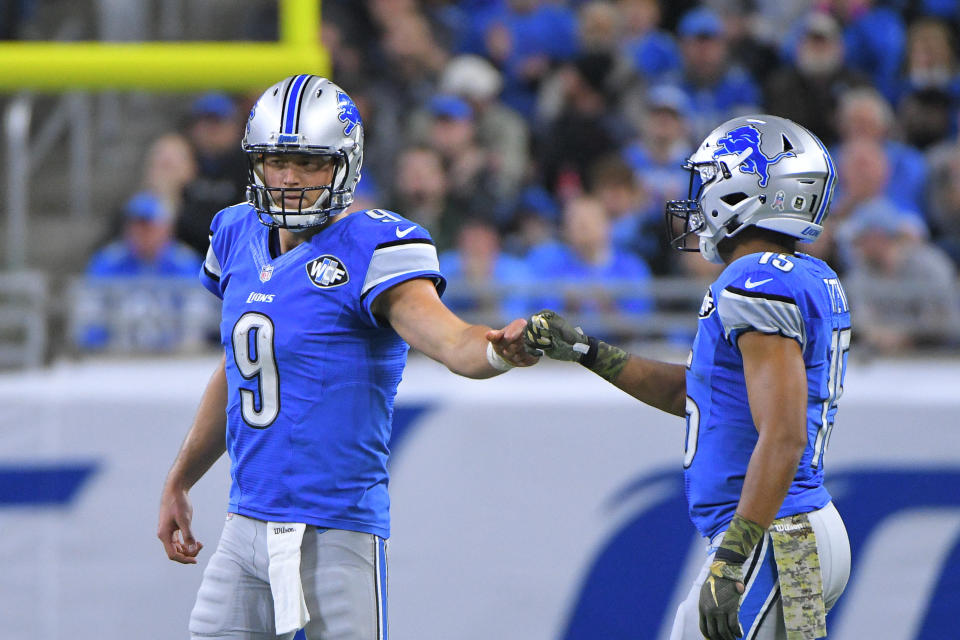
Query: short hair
{"type": "Point", "coordinates": [870, 96]}
{"type": "Point", "coordinates": [612, 171]}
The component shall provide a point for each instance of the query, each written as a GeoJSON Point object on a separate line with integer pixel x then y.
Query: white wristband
{"type": "Point", "coordinates": [496, 360]}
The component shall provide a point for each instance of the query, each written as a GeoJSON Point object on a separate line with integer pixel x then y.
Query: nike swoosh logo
{"type": "Point", "coordinates": [750, 284]}
{"type": "Point", "coordinates": [402, 234]}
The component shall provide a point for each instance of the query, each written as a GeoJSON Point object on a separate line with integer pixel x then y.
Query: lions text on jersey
{"type": "Point", "coordinates": [796, 296]}
{"type": "Point", "coordinates": [311, 373]}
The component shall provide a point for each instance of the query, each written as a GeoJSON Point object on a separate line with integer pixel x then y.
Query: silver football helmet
{"type": "Point", "coordinates": [761, 170]}
{"type": "Point", "coordinates": [303, 114]}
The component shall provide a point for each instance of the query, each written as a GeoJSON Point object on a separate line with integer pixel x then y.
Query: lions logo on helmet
{"type": "Point", "coordinates": [348, 112]}
{"type": "Point", "coordinates": [746, 139]}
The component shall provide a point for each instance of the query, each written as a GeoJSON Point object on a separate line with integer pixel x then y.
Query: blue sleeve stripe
{"type": "Point", "coordinates": [210, 274]}
{"type": "Point", "coordinates": [394, 243]}
{"type": "Point", "coordinates": [760, 294]}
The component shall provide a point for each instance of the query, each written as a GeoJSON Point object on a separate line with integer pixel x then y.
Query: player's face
{"type": "Point", "coordinates": [297, 171]}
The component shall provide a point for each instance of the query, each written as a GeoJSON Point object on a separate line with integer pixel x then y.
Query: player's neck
{"type": "Point", "coordinates": [754, 245]}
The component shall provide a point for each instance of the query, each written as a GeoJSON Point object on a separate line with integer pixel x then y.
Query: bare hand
{"type": "Point", "coordinates": [174, 528]}
{"type": "Point", "coordinates": [508, 342]}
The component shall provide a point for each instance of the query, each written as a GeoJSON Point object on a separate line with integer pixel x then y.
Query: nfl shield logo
{"type": "Point", "coordinates": [265, 272]}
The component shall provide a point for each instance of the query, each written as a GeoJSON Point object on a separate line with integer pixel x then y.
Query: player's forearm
{"type": "Point", "coordinates": [662, 385]}
{"type": "Point", "coordinates": [206, 439]}
{"type": "Point", "coordinates": [466, 355]}
{"type": "Point", "coordinates": [770, 472]}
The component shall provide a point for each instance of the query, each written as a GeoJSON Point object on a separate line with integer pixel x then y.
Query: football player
{"type": "Point", "coordinates": [760, 388]}
{"type": "Point", "coordinates": [319, 307]}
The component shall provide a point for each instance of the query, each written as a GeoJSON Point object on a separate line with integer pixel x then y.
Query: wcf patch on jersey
{"type": "Point", "coordinates": [327, 271]}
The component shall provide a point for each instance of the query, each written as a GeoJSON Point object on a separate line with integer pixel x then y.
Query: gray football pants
{"type": "Point", "coordinates": [344, 576]}
{"type": "Point", "coordinates": [762, 597]}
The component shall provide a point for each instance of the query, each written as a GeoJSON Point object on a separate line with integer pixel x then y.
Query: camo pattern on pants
{"type": "Point", "coordinates": [801, 583]}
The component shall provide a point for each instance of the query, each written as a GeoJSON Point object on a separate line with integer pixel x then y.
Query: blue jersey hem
{"type": "Point", "coordinates": [327, 523]}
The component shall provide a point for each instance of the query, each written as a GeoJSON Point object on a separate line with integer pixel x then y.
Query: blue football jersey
{"type": "Point", "coordinates": [796, 296]}
{"type": "Point", "coordinates": [311, 372]}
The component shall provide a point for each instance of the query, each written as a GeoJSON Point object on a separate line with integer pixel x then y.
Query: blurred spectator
{"type": "Point", "coordinates": [534, 220]}
{"type": "Point", "coordinates": [945, 9]}
{"type": "Point", "coordinates": [744, 32]}
{"type": "Point", "coordinates": [657, 157]}
{"type": "Point", "coordinates": [13, 15]}
{"type": "Point", "coordinates": [925, 116]}
{"type": "Point", "coordinates": [481, 278]}
{"type": "Point", "coordinates": [215, 132]}
{"type": "Point", "coordinates": [652, 51]}
{"type": "Point", "coordinates": [586, 128]}
{"type": "Point", "coordinates": [931, 61]}
{"type": "Point", "coordinates": [421, 193]}
{"type": "Point", "coordinates": [588, 266]}
{"type": "Point", "coordinates": [636, 223]}
{"type": "Point", "coordinates": [902, 288]}
{"type": "Point", "coordinates": [147, 247]}
{"type": "Point", "coordinates": [599, 27]}
{"type": "Point", "coordinates": [145, 315]}
{"type": "Point", "coordinates": [170, 166]}
{"type": "Point", "coordinates": [717, 88]}
{"type": "Point", "coordinates": [864, 173]}
{"type": "Point", "coordinates": [409, 50]}
{"type": "Point", "coordinates": [525, 39]}
{"type": "Point", "coordinates": [931, 86]}
{"type": "Point", "coordinates": [874, 37]}
{"type": "Point", "coordinates": [500, 131]}
{"type": "Point", "coordinates": [345, 29]}
{"type": "Point", "coordinates": [944, 198]}
{"type": "Point", "coordinates": [470, 181]}
{"type": "Point", "coordinates": [808, 90]}
{"type": "Point", "coordinates": [865, 114]}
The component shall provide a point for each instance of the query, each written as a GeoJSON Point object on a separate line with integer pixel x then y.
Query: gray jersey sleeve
{"type": "Point", "coordinates": [753, 311]}
{"type": "Point", "coordinates": [211, 265]}
{"type": "Point", "coordinates": [390, 264]}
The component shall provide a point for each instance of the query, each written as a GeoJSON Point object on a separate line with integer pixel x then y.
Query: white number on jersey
{"type": "Point", "coordinates": [382, 216]}
{"type": "Point", "coordinates": [693, 432]}
{"type": "Point", "coordinates": [779, 260]}
{"type": "Point", "coordinates": [839, 346]}
{"type": "Point", "coordinates": [257, 361]}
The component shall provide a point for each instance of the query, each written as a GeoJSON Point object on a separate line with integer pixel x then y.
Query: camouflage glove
{"type": "Point", "coordinates": [720, 601]}
{"type": "Point", "coordinates": [720, 593]}
{"type": "Point", "coordinates": [551, 334]}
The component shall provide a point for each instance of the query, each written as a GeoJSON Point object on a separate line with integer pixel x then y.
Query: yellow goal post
{"type": "Point", "coordinates": [54, 67]}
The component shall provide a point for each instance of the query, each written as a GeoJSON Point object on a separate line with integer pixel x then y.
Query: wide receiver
{"type": "Point", "coordinates": [319, 305]}
{"type": "Point", "coordinates": [759, 389]}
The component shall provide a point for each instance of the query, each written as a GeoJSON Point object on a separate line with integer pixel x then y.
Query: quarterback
{"type": "Point", "coordinates": [319, 307]}
{"type": "Point", "coordinates": [760, 388]}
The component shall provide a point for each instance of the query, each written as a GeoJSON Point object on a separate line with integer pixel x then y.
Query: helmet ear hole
{"type": "Point", "coordinates": [733, 199]}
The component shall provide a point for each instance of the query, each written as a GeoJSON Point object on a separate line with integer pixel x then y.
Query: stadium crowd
{"type": "Point", "coordinates": [538, 140]}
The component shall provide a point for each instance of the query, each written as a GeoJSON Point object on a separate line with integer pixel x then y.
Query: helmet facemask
{"type": "Point", "coordinates": [271, 203]}
{"type": "Point", "coordinates": [686, 218]}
